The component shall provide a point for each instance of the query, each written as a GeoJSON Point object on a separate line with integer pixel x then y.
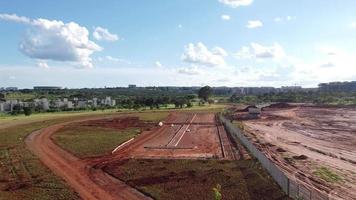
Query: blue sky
{"type": "Point", "coordinates": [178, 42]}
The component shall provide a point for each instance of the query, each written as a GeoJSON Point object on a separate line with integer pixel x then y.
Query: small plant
{"type": "Point", "coordinates": [327, 175]}
{"type": "Point", "coordinates": [298, 197]}
{"type": "Point", "coordinates": [217, 192]}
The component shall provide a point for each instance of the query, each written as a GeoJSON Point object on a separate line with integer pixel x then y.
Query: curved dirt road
{"type": "Point", "coordinates": [88, 182]}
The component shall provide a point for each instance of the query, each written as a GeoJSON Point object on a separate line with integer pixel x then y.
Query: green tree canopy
{"type": "Point", "coordinates": [205, 92]}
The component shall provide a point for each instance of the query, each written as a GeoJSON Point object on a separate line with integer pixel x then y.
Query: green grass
{"type": "Point", "coordinates": [195, 179]}
{"type": "Point", "coordinates": [84, 141]}
{"type": "Point", "coordinates": [327, 175]}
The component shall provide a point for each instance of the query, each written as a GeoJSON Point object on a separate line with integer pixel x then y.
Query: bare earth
{"type": "Point", "coordinates": [88, 182]}
{"type": "Point", "coordinates": [302, 139]}
{"type": "Point", "coordinates": [183, 135]}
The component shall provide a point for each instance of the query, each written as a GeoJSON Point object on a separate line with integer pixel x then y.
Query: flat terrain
{"type": "Point", "coordinates": [313, 144]}
{"type": "Point", "coordinates": [184, 135]}
{"type": "Point", "coordinates": [78, 150]}
{"type": "Point", "coordinates": [22, 174]}
{"type": "Point", "coordinates": [195, 179]}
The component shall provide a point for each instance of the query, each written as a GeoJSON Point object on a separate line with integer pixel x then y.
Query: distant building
{"type": "Point", "coordinates": [2, 106]}
{"type": "Point", "coordinates": [338, 87]}
{"type": "Point", "coordinates": [291, 88]}
{"type": "Point", "coordinates": [132, 86]}
{"type": "Point", "coordinates": [47, 88]}
{"type": "Point", "coordinates": [11, 89]}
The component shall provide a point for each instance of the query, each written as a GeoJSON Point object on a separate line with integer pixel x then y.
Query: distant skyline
{"type": "Point", "coordinates": [91, 43]}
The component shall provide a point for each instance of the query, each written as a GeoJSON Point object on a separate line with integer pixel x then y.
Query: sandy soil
{"type": "Point", "coordinates": [302, 139]}
{"type": "Point", "coordinates": [88, 182]}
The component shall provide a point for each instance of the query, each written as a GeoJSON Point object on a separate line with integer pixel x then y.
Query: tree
{"type": "Point", "coordinates": [205, 92]}
{"type": "Point", "coordinates": [27, 111]}
{"type": "Point", "coordinates": [2, 96]}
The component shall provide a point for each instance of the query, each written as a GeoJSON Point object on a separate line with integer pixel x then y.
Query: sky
{"type": "Point", "coordinates": [112, 43]}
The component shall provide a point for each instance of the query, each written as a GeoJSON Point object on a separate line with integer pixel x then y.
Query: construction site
{"type": "Point", "coordinates": [183, 135]}
{"type": "Point", "coordinates": [313, 145]}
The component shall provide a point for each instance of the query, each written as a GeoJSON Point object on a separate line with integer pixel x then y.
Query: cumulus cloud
{"type": "Point", "coordinates": [225, 17]}
{"type": "Point", "coordinates": [254, 24]}
{"type": "Point", "coordinates": [56, 40]}
{"type": "Point", "coordinates": [259, 51]}
{"type": "Point", "coordinates": [14, 18]}
{"type": "Point", "coordinates": [236, 3]}
{"type": "Point", "coordinates": [193, 70]}
{"type": "Point", "coordinates": [104, 34]}
{"type": "Point", "coordinates": [200, 54]}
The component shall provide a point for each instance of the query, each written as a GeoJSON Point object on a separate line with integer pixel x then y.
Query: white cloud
{"type": "Point", "coordinates": [287, 18]}
{"type": "Point", "coordinates": [158, 64]}
{"type": "Point", "coordinates": [56, 40]}
{"type": "Point", "coordinates": [193, 70]}
{"type": "Point", "coordinates": [254, 24]}
{"type": "Point", "coordinates": [42, 64]}
{"type": "Point", "coordinates": [225, 17]}
{"type": "Point", "coordinates": [236, 3]}
{"type": "Point", "coordinates": [113, 59]}
{"type": "Point", "coordinates": [180, 26]}
{"type": "Point", "coordinates": [219, 51]}
{"type": "Point", "coordinates": [200, 54]}
{"type": "Point", "coordinates": [104, 34]}
{"type": "Point", "coordinates": [14, 18]}
{"type": "Point", "coordinates": [258, 51]}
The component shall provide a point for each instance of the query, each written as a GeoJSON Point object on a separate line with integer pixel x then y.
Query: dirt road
{"type": "Point", "coordinates": [90, 183]}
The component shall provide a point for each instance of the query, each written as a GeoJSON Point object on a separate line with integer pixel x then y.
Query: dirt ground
{"type": "Point", "coordinates": [181, 179]}
{"type": "Point", "coordinates": [305, 139]}
{"type": "Point", "coordinates": [183, 135]}
{"type": "Point", "coordinates": [88, 182]}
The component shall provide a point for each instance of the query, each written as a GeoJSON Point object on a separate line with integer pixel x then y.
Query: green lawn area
{"type": "Point", "coordinates": [84, 141]}
{"type": "Point", "coordinates": [195, 179]}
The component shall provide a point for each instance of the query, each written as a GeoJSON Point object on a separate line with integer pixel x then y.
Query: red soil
{"type": "Point", "coordinates": [300, 140]}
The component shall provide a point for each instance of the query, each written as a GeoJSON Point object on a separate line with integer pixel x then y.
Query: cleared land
{"type": "Point", "coordinates": [195, 179]}
{"type": "Point", "coordinates": [22, 174]}
{"type": "Point", "coordinates": [316, 145]}
{"type": "Point", "coordinates": [183, 135]}
{"type": "Point", "coordinates": [90, 176]}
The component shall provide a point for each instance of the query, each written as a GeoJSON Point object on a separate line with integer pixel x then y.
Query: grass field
{"type": "Point", "coordinates": [195, 179]}
{"type": "Point", "coordinates": [84, 141]}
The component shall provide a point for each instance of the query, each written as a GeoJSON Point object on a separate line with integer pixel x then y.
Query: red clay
{"type": "Point", "coordinates": [184, 135]}
{"type": "Point", "coordinates": [302, 139]}
{"type": "Point", "coordinates": [89, 183]}
{"type": "Point", "coordinates": [192, 136]}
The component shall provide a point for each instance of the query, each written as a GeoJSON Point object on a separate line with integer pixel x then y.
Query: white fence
{"type": "Point", "coordinates": [292, 188]}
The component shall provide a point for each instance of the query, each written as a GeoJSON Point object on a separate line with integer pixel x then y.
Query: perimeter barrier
{"type": "Point", "coordinates": [293, 188]}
